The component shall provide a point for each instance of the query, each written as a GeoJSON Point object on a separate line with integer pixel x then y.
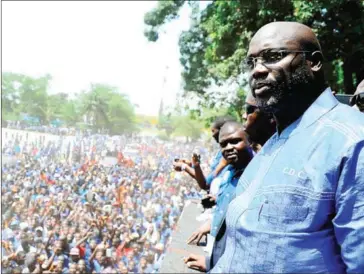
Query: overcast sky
{"type": "Point", "coordinates": [79, 43]}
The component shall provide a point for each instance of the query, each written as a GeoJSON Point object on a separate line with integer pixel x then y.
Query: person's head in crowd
{"type": "Point", "coordinates": [122, 268]}
{"type": "Point", "coordinates": [69, 237]}
{"type": "Point", "coordinates": [39, 244]}
{"type": "Point", "coordinates": [81, 266]}
{"type": "Point", "coordinates": [75, 254]}
{"type": "Point", "coordinates": [20, 257]}
{"type": "Point", "coordinates": [136, 247]}
{"type": "Point", "coordinates": [143, 263]}
{"type": "Point", "coordinates": [77, 236]}
{"type": "Point", "coordinates": [131, 266]}
{"type": "Point", "coordinates": [284, 63]}
{"type": "Point", "coordinates": [234, 144]}
{"type": "Point", "coordinates": [99, 256]}
{"type": "Point", "coordinates": [73, 229]}
{"type": "Point", "coordinates": [25, 243]}
{"type": "Point", "coordinates": [357, 101]}
{"type": "Point", "coordinates": [58, 247]}
{"type": "Point", "coordinates": [217, 124]}
{"type": "Point", "coordinates": [259, 126]}
{"type": "Point", "coordinates": [5, 263]}
{"type": "Point", "coordinates": [31, 261]}
{"type": "Point", "coordinates": [58, 266]}
{"type": "Point", "coordinates": [16, 270]}
{"type": "Point", "coordinates": [115, 242]}
{"type": "Point", "coordinates": [72, 268]}
{"type": "Point", "coordinates": [130, 255]}
{"type": "Point", "coordinates": [146, 245]}
{"type": "Point", "coordinates": [39, 232]}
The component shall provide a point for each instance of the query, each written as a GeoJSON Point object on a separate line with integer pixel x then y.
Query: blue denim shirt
{"type": "Point", "coordinates": [229, 179]}
{"type": "Point", "coordinates": [301, 207]}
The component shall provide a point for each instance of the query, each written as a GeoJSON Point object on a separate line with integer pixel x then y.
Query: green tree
{"type": "Point", "coordinates": [105, 108]}
{"type": "Point", "coordinates": [28, 95]}
{"type": "Point", "coordinates": [95, 107]}
{"type": "Point", "coordinates": [186, 127]}
{"type": "Point", "coordinates": [102, 105]}
{"type": "Point", "coordinates": [69, 113]}
{"type": "Point", "coordinates": [213, 48]}
{"type": "Point", "coordinates": [10, 95]}
{"type": "Point", "coordinates": [122, 114]}
{"type": "Point", "coordinates": [166, 124]}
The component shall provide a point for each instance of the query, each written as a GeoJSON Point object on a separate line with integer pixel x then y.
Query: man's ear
{"type": "Point", "coordinates": [316, 60]}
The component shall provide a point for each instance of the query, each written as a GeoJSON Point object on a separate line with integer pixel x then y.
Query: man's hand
{"type": "Point", "coordinates": [212, 198]}
{"type": "Point", "coordinates": [187, 162]}
{"type": "Point", "coordinates": [196, 262]}
{"type": "Point", "coordinates": [177, 166]}
{"type": "Point", "coordinates": [202, 231]}
{"type": "Point", "coordinates": [195, 159]}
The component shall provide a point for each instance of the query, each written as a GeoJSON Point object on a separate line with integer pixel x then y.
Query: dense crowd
{"type": "Point", "coordinates": [67, 210]}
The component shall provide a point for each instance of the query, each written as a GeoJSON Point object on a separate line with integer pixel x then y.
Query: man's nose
{"type": "Point", "coordinates": [259, 71]}
{"type": "Point", "coordinates": [229, 146]}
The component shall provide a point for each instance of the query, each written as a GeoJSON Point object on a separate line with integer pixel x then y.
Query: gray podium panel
{"type": "Point", "coordinates": [178, 249]}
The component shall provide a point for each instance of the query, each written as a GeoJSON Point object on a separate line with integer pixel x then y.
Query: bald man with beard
{"type": "Point", "coordinates": [299, 204]}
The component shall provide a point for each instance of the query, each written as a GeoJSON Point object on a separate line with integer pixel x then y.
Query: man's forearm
{"type": "Point", "coordinates": [190, 171]}
{"type": "Point", "coordinates": [200, 178]}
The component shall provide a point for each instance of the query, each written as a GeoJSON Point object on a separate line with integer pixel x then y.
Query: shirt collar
{"type": "Point", "coordinates": [322, 105]}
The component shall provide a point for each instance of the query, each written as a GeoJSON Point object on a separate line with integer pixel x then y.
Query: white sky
{"type": "Point", "coordinates": [79, 43]}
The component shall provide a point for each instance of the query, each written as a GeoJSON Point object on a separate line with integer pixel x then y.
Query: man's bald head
{"type": "Point", "coordinates": [231, 127]}
{"type": "Point", "coordinates": [286, 35]}
{"type": "Point", "coordinates": [285, 67]}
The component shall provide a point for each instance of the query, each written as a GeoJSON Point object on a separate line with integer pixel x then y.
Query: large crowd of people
{"type": "Point", "coordinates": [66, 209]}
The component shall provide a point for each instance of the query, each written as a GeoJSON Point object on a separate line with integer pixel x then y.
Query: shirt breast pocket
{"type": "Point", "coordinates": [282, 218]}
{"type": "Point", "coordinates": [296, 211]}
